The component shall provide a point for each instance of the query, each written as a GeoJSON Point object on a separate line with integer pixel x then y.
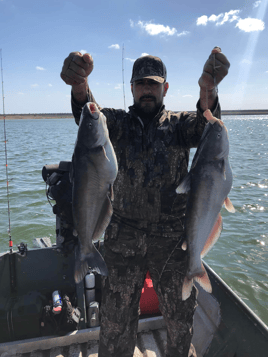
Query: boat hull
{"type": "Point", "coordinates": [223, 324]}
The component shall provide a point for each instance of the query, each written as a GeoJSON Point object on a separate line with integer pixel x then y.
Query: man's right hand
{"type": "Point", "coordinates": [76, 68]}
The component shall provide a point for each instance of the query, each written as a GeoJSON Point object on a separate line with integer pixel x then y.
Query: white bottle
{"type": "Point", "coordinates": [93, 314]}
{"type": "Point", "coordinates": [90, 288]}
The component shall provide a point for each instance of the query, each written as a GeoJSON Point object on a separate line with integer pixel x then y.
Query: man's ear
{"type": "Point", "coordinates": [166, 86]}
{"type": "Point", "coordinates": [131, 86]}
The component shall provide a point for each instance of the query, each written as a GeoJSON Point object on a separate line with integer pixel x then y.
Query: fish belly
{"type": "Point", "coordinates": [203, 207]}
{"type": "Point", "coordinates": [85, 202]}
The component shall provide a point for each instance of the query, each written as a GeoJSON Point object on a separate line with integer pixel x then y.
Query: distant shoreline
{"type": "Point", "coordinates": [38, 116]}
{"type": "Point", "coordinates": [245, 112]}
{"type": "Point", "coordinates": [70, 116]}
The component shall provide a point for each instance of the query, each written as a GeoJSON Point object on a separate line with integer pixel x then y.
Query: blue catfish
{"type": "Point", "coordinates": [208, 183]}
{"type": "Point", "coordinates": [94, 169]}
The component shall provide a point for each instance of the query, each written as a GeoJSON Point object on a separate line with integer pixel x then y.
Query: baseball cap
{"type": "Point", "coordinates": [149, 67]}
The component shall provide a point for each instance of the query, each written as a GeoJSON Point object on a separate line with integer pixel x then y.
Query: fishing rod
{"type": "Point", "coordinates": [5, 140]}
{"type": "Point", "coordinates": [123, 77]}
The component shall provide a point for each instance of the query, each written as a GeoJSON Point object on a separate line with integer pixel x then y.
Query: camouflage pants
{"type": "Point", "coordinates": [129, 254]}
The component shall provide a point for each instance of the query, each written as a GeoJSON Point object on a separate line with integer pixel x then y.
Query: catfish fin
{"type": "Point", "coordinates": [93, 260]}
{"type": "Point", "coordinates": [104, 151]}
{"type": "Point", "coordinates": [185, 185]}
{"type": "Point", "coordinates": [213, 236]}
{"type": "Point", "coordinates": [222, 166]}
{"type": "Point", "coordinates": [184, 245]}
{"type": "Point", "coordinates": [112, 193]}
{"type": "Point", "coordinates": [228, 205]}
{"type": "Point", "coordinates": [187, 288]}
{"type": "Point", "coordinates": [71, 171]}
{"type": "Point", "coordinates": [224, 171]}
{"type": "Point", "coordinates": [203, 280]}
{"type": "Point", "coordinates": [104, 219]}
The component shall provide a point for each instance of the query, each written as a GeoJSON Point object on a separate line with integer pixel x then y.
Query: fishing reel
{"type": "Point", "coordinates": [22, 247]}
{"type": "Point", "coordinates": [59, 189]}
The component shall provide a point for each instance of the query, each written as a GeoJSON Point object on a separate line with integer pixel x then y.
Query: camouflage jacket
{"type": "Point", "coordinates": [152, 161]}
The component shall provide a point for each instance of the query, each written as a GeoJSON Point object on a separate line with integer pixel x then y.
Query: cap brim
{"type": "Point", "coordinates": [154, 78]}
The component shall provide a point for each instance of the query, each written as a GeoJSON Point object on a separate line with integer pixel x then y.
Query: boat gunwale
{"type": "Point", "coordinates": [74, 337]}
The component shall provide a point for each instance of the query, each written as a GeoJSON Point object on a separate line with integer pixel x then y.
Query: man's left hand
{"type": "Point", "coordinates": [217, 67]}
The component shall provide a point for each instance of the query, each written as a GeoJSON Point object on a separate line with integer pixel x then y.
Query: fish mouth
{"type": "Point", "coordinates": [217, 126]}
{"type": "Point", "coordinates": [216, 123]}
{"type": "Point", "coordinates": [92, 110]}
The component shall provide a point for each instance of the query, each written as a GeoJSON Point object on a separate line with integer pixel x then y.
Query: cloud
{"type": "Point", "coordinates": [202, 20]}
{"type": "Point", "coordinates": [256, 4]}
{"type": "Point", "coordinates": [229, 17]}
{"type": "Point", "coordinates": [40, 68]}
{"type": "Point", "coordinates": [220, 19]}
{"type": "Point", "coordinates": [144, 54]}
{"type": "Point", "coordinates": [35, 85]}
{"type": "Point", "coordinates": [215, 18]}
{"type": "Point", "coordinates": [116, 46]}
{"type": "Point", "coordinates": [156, 29]}
{"type": "Point", "coordinates": [249, 25]}
{"type": "Point", "coordinates": [183, 33]}
{"type": "Point", "coordinates": [187, 95]}
{"type": "Point", "coordinates": [118, 86]}
{"type": "Point", "coordinates": [129, 59]}
{"type": "Point", "coordinates": [83, 52]}
{"type": "Point", "coordinates": [50, 85]}
{"type": "Point", "coordinates": [246, 61]}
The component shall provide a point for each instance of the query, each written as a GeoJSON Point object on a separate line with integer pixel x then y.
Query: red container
{"type": "Point", "coordinates": [149, 301]}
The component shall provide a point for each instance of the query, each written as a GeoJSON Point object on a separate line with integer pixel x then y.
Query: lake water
{"type": "Point", "coordinates": [240, 256]}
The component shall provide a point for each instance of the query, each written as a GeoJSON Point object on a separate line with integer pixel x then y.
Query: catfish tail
{"type": "Point", "coordinates": [93, 260]}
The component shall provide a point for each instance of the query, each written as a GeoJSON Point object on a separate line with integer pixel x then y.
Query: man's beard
{"type": "Point", "coordinates": [148, 112]}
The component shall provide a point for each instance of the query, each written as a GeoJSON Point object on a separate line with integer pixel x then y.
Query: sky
{"type": "Point", "coordinates": [36, 37]}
